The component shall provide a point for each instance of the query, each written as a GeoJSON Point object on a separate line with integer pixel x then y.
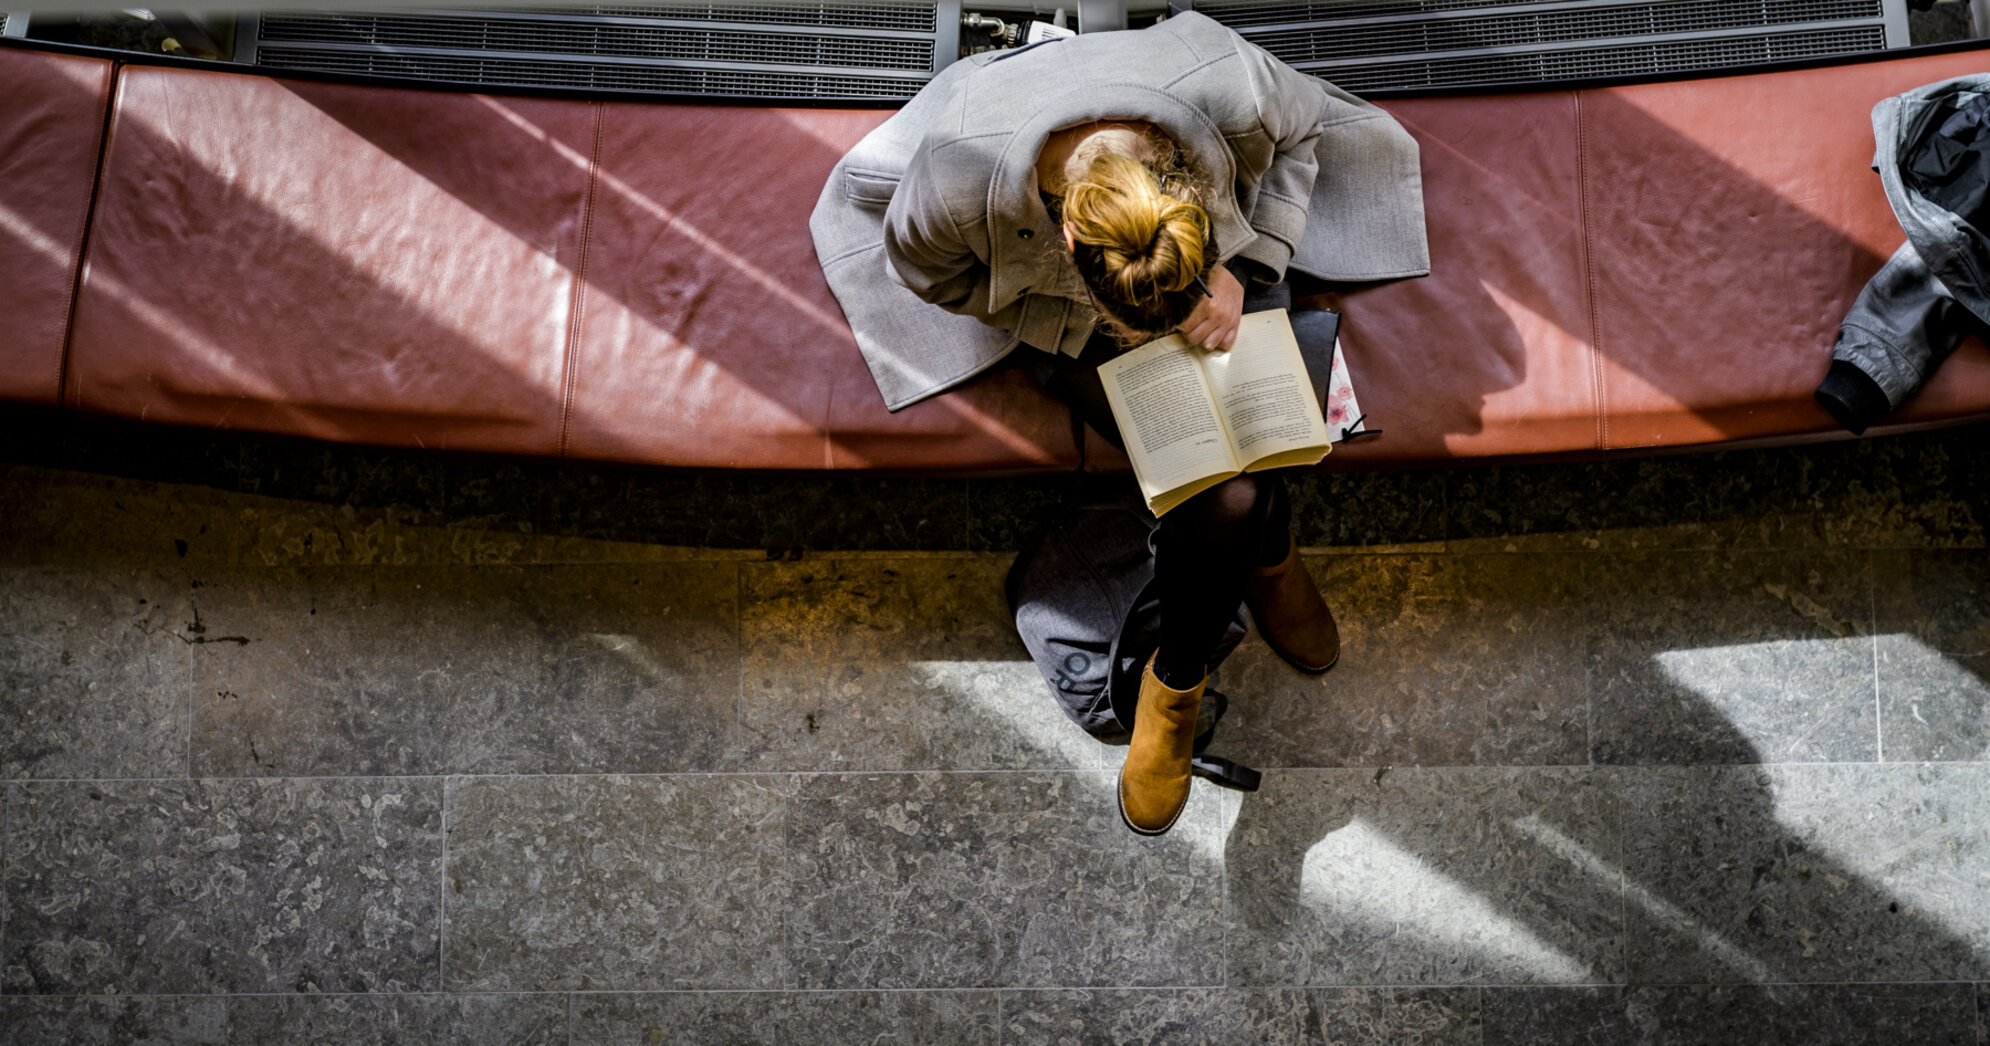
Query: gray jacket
{"type": "Point", "coordinates": [936, 243]}
{"type": "Point", "coordinates": [1934, 291]}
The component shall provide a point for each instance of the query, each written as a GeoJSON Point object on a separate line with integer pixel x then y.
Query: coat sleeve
{"type": "Point", "coordinates": [1291, 106]}
{"type": "Point", "coordinates": [927, 251]}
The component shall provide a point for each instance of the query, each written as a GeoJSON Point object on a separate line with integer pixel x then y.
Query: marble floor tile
{"type": "Point", "coordinates": [1445, 660]}
{"type": "Point", "coordinates": [436, 670]}
{"type": "Point", "coordinates": [1398, 1016]}
{"type": "Point", "coordinates": [157, 1020]}
{"type": "Point", "coordinates": [1562, 1016]}
{"type": "Point", "coordinates": [73, 519]}
{"type": "Point", "coordinates": [1738, 499]}
{"type": "Point", "coordinates": [223, 886]}
{"type": "Point", "coordinates": [962, 880]}
{"type": "Point", "coordinates": [1351, 511]}
{"type": "Point", "coordinates": [1425, 876]}
{"type": "Point", "coordinates": [1932, 621]}
{"type": "Point", "coordinates": [398, 1020]}
{"type": "Point", "coordinates": [848, 512]}
{"type": "Point", "coordinates": [1367, 509]}
{"type": "Point", "coordinates": [1807, 873]}
{"type": "Point", "coordinates": [1223, 1016]}
{"type": "Point", "coordinates": [1916, 490]}
{"type": "Point", "coordinates": [1722, 1015]}
{"type": "Point", "coordinates": [784, 1018]}
{"type": "Point", "coordinates": [616, 883]}
{"type": "Point", "coordinates": [1160, 1017]}
{"type": "Point", "coordinates": [94, 670]}
{"type": "Point", "coordinates": [1699, 658]}
{"type": "Point", "coordinates": [57, 517]}
{"type": "Point", "coordinates": [1006, 515]}
{"type": "Point", "coordinates": [909, 664]}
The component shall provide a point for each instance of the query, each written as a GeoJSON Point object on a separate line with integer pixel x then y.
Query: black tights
{"type": "Point", "coordinates": [1207, 548]}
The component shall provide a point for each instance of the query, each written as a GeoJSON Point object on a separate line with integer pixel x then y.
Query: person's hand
{"type": "Point", "coordinates": [1216, 319]}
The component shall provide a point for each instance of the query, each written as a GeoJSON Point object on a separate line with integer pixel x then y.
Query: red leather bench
{"type": "Point", "coordinates": [1614, 269]}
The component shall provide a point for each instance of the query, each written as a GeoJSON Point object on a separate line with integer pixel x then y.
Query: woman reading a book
{"type": "Point", "coordinates": [1079, 197]}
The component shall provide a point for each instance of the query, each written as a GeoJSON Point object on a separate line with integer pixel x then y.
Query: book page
{"type": "Point", "coordinates": [1265, 395]}
{"type": "Point", "coordinates": [1164, 410]}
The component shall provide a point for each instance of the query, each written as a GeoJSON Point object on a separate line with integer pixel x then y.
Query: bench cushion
{"type": "Point", "coordinates": [51, 125]}
{"type": "Point", "coordinates": [1613, 269]}
{"type": "Point", "coordinates": [1624, 268]}
{"type": "Point", "coordinates": [529, 276]}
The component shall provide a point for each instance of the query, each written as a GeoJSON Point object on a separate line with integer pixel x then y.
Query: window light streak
{"type": "Point", "coordinates": [1011, 695]}
{"type": "Point", "coordinates": [834, 324]}
{"type": "Point", "coordinates": [1912, 856]}
{"type": "Point", "coordinates": [1428, 139]}
{"type": "Point", "coordinates": [1669, 915]}
{"type": "Point", "coordinates": [1357, 873]}
{"type": "Point", "coordinates": [1749, 684]}
{"type": "Point", "coordinates": [809, 122]}
{"type": "Point", "coordinates": [388, 225]}
{"type": "Point", "coordinates": [169, 326]}
{"type": "Point", "coordinates": [39, 242]}
{"type": "Point", "coordinates": [1903, 656]}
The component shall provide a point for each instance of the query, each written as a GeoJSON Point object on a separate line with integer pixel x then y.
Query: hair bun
{"type": "Point", "coordinates": [1137, 244]}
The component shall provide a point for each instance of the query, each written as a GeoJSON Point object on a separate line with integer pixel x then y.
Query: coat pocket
{"type": "Point", "coordinates": [872, 188]}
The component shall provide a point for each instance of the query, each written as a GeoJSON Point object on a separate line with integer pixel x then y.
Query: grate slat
{"type": "Point", "coordinates": [1242, 14]}
{"type": "Point", "coordinates": [1639, 59]}
{"type": "Point", "coordinates": [1326, 42]}
{"type": "Point", "coordinates": [592, 75]}
{"type": "Point", "coordinates": [921, 17]}
{"type": "Point", "coordinates": [487, 33]}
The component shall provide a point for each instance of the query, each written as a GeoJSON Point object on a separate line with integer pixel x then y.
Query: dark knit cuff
{"type": "Point", "coordinates": [1852, 396]}
{"type": "Point", "coordinates": [1250, 270]}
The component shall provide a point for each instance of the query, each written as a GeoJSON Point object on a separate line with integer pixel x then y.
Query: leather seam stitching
{"type": "Point", "coordinates": [578, 321]}
{"type": "Point", "coordinates": [1596, 379]}
{"type": "Point", "coordinates": [115, 84]}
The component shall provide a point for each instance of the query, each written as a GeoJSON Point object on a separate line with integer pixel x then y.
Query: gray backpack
{"type": "Point", "coordinates": [1084, 603]}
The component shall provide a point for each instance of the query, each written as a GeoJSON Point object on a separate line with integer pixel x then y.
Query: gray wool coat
{"type": "Point", "coordinates": [937, 244]}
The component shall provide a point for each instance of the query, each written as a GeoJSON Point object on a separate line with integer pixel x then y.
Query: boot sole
{"type": "Point", "coordinates": [1119, 800]}
{"type": "Point", "coordinates": [1296, 663]}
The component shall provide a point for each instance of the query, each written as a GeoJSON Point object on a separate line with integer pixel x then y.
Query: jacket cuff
{"type": "Point", "coordinates": [1268, 252]}
{"type": "Point", "coordinates": [1852, 396]}
{"type": "Point", "coordinates": [1249, 271]}
{"type": "Point", "coordinates": [1279, 223]}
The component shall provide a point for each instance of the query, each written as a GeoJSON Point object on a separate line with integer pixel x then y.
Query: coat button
{"type": "Point", "coordinates": [1026, 233]}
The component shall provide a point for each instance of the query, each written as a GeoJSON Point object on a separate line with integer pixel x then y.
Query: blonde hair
{"type": "Point", "coordinates": [1139, 238]}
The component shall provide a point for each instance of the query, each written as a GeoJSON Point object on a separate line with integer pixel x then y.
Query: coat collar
{"type": "Point", "coordinates": [1016, 262]}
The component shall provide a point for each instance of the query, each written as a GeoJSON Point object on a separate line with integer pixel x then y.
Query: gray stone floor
{"type": "Point", "coordinates": [326, 745]}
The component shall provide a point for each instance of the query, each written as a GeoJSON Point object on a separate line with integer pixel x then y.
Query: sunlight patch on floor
{"type": "Point", "coordinates": [1360, 874]}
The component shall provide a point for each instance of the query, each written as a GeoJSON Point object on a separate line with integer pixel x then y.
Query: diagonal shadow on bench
{"type": "Point", "coordinates": [1695, 279]}
{"type": "Point", "coordinates": [707, 312]}
{"type": "Point", "coordinates": [265, 321]}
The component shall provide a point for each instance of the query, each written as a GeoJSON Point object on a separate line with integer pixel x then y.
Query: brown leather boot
{"type": "Point", "coordinates": [1292, 616]}
{"type": "Point", "coordinates": [1153, 785]}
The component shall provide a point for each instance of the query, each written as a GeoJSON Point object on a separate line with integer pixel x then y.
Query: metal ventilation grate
{"type": "Point", "coordinates": [595, 75]}
{"type": "Point", "coordinates": [1639, 59]}
{"type": "Point", "coordinates": [1382, 45]}
{"type": "Point", "coordinates": [1244, 14]}
{"type": "Point", "coordinates": [903, 17]}
{"type": "Point", "coordinates": [579, 38]}
{"type": "Point", "coordinates": [1551, 27]}
{"type": "Point", "coordinates": [861, 50]}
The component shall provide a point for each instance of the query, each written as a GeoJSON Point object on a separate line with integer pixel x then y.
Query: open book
{"type": "Point", "coordinates": [1193, 419]}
